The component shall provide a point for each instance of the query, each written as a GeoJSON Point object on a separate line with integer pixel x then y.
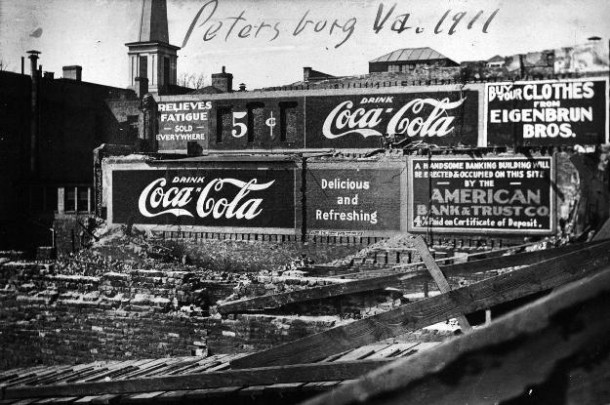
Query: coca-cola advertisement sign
{"type": "Point", "coordinates": [365, 121]}
{"type": "Point", "coordinates": [211, 197]}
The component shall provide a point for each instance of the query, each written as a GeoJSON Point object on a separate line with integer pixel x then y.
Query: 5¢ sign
{"type": "Point", "coordinates": [240, 128]}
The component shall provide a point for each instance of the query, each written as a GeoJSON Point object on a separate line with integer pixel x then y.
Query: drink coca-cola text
{"type": "Point", "coordinates": [156, 199]}
{"type": "Point", "coordinates": [410, 119]}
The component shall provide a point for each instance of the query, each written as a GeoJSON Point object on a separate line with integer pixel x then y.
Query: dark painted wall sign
{"type": "Point", "coordinates": [211, 197]}
{"type": "Point", "coordinates": [547, 113]}
{"type": "Point", "coordinates": [362, 121]}
{"type": "Point", "coordinates": [493, 195]}
{"type": "Point", "coordinates": [350, 199]}
{"type": "Point", "coordinates": [181, 122]}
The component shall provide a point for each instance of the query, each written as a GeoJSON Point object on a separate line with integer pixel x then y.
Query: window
{"type": "Point", "coordinates": [223, 122]}
{"type": "Point", "coordinates": [143, 66]}
{"type": "Point", "coordinates": [256, 120]}
{"type": "Point", "coordinates": [288, 121]}
{"type": "Point", "coordinates": [83, 199]}
{"type": "Point", "coordinates": [70, 199]}
{"type": "Point", "coordinates": [166, 71]}
{"type": "Point", "coordinates": [74, 199]}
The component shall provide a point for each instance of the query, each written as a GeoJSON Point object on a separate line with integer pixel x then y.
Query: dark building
{"type": "Point", "coordinates": [49, 130]}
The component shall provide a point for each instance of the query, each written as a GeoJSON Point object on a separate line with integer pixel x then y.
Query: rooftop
{"type": "Point", "coordinates": [410, 55]}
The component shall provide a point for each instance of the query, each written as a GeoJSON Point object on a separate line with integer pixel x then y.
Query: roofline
{"type": "Point", "coordinates": [144, 43]}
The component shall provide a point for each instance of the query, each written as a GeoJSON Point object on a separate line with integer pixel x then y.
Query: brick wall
{"type": "Point", "coordinates": [244, 333]}
{"type": "Point", "coordinates": [51, 318]}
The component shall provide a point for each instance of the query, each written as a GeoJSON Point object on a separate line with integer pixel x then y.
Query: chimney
{"type": "Point", "coordinates": [223, 81]}
{"type": "Point", "coordinates": [34, 113]}
{"type": "Point", "coordinates": [73, 72]}
{"type": "Point", "coordinates": [33, 63]}
{"type": "Point", "coordinates": [306, 73]}
{"type": "Point", "coordinates": [141, 86]}
{"type": "Point", "coordinates": [242, 86]}
{"type": "Point", "coordinates": [49, 75]}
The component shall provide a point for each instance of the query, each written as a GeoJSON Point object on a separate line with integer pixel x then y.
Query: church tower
{"type": "Point", "coordinates": [152, 56]}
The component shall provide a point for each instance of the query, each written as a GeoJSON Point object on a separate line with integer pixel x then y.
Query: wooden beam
{"type": "Point", "coordinates": [438, 276]}
{"type": "Point", "coordinates": [277, 300]}
{"type": "Point", "coordinates": [604, 231]}
{"type": "Point", "coordinates": [532, 355]}
{"type": "Point", "coordinates": [327, 291]}
{"type": "Point", "coordinates": [331, 371]}
{"type": "Point", "coordinates": [519, 259]}
{"type": "Point", "coordinates": [416, 315]}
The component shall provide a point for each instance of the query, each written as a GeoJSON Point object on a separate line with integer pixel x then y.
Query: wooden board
{"type": "Point", "coordinates": [261, 376]}
{"type": "Point", "coordinates": [416, 315]}
{"type": "Point", "coordinates": [555, 350]}
{"type": "Point", "coordinates": [368, 284]}
{"type": "Point", "coordinates": [438, 277]}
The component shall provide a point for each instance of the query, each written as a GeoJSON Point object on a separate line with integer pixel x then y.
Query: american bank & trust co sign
{"type": "Point", "coordinates": [494, 195]}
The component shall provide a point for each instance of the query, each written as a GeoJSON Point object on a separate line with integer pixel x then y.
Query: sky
{"type": "Point", "coordinates": [268, 42]}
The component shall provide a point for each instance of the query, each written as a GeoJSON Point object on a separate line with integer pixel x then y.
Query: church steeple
{"type": "Point", "coordinates": [152, 56]}
{"type": "Point", "coordinates": [153, 22]}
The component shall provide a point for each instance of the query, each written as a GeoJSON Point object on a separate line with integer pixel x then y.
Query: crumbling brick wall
{"type": "Point", "coordinates": [49, 318]}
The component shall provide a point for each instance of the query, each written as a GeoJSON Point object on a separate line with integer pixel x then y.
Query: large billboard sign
{"type": "Point", "coordinates": [204, 197]}
{"type": "Point", "coordinates": [572, 112]}
{"type": "Point", "coordinates": [181, 122]}
{"type": "Point", "coordinates": [363, 121]}
{"type": "Point", "coordinates": [491, 195]}
{"type": "Point", "coordinates": [365, 200]}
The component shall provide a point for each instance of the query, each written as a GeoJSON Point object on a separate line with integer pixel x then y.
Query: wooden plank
{"type": "Point", "coordinates": [438, 277]}
{"type": "Point", "coordinates": [368, 284]}
{"type": "Point", "coordinates": [333, 290]}
{"type": "Point", "coordinates": [284, 387]}
{"type": "Point", "coordinates": [356, 354]}
{"type": "Point", "coordinates": [320, 386]}
{"type": "Point", "coordinates": [105, 399]}
{"type": "Point", "coordinates": [259, 376]}
{"type": "Point", "coordinates": [416, 315]}
{"type": "Point", "coordinates": [391, 351]}
{"type": "Point", "coordinates": [519, 259]}
{"type": "Point", "coordinates": [529, 356]}
{"type": "Point", "coordinates": [380, 351]}
{"type": "Point", "coordinates": [604, 231]}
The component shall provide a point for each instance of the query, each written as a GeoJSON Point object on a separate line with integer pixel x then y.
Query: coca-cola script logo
{"type": "Point", "coordinates": [157, 200]}
{"type": "Point", "coordinates": [410, 119]}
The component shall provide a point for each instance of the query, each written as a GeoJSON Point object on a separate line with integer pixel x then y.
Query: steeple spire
{"type": "Point", "coordinates": [152, 57]}
{"type": "Point", "coordinates": [153, 22]}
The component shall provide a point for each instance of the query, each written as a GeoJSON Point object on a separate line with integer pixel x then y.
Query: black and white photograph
{"type": "Point", "coordinates": [313, 202]}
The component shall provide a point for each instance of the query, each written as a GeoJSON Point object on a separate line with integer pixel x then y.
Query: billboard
{"type": "Point", "coordinates": [543, 113]}
{"type": "Point", "coordinates": [204, 197]}
{"type": "Point", "coordinates": [487, 195]}
{"type": "Point", "coordinates": [589, 57]}
{"type": "Point", "coordinates": [181, 122]}
{"type": "Point", "coordinates": [353, 200]}
{"type": "Point", "coordinates": [363, 121]}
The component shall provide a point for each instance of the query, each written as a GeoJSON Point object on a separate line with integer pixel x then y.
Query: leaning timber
{"type": "Point", "coordinates": [553, 351]}
{"type": "Point", "coordinates": [414, 272]}
{"type": "Point", "coordinates": [482, 295]}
